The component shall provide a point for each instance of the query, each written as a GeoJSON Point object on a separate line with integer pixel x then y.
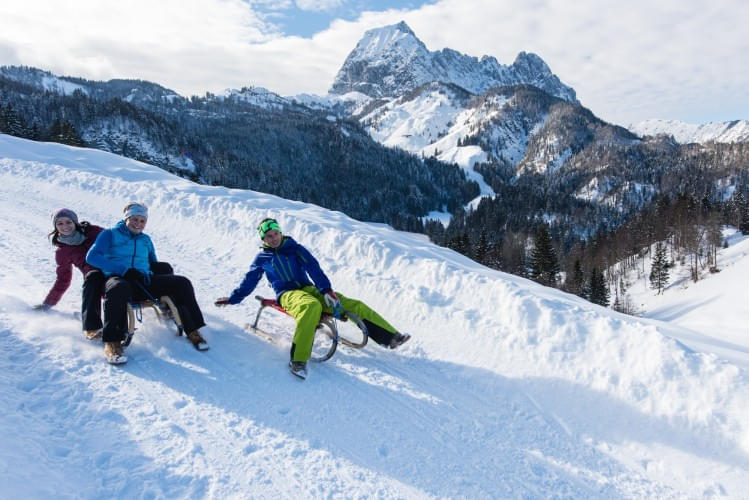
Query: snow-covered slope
{"type": "Point", "coordinates": [713, 310]}
{"type": "Point", "coordinates": [431, 122]}
{"type": "Point", "coordinates": [521, 128]}
{"type": "Point", "coordinates": [508, 389]}
{"type": "Point", "coordinates": [686, 133]}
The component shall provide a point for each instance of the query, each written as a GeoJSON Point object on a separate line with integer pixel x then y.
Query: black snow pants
{"type": "Point", "coordinates": [118, 292]}
{"type": "Point", "coordinates": [93, 289]}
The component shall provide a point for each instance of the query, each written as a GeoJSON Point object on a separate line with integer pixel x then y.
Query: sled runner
{"type": "Point", "coordinates": [164, 308]}
{"type": "Point", "coordinates": [326, 336]}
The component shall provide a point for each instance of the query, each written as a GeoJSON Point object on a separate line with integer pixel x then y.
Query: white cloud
{"type": "Point", "coordinates": [625, 59]}
{"type": "Point", "coordinates": [628, 61]}
{"type": "Point", "coordinates": [318, 5]}
{"type": "Point", "coordinates": [160, 40]}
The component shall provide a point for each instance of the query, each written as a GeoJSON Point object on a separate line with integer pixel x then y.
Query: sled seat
{"type": "Point", "coordinates": [326, 320]}
{"type": "Point", "coordinates": [275, 305]}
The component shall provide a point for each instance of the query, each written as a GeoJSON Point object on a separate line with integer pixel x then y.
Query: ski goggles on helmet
{"type": "Point", "coordinates": [266, 226]}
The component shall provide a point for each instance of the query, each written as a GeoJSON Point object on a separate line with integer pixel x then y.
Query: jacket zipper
{"type": "Point", "coordinates": [132, 259]}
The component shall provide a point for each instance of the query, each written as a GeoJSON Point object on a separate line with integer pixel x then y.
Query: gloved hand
{"type": "Point", "coordinates": [221, 302]}
{"type": "Point", "coordinates": [332, 300]}
{"type": "Point", "coordinates": [42, 307]}
{"type": "Point", "coordinates": [134, 276]}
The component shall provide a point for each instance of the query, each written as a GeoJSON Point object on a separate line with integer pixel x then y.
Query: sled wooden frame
{"type": "Point", "coordinates": [164, 309]}
{"type": "Point", "coordinates": [327, 325]}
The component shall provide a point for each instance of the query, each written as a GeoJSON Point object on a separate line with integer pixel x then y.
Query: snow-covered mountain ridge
{"type": "Point", "coordinates": [512, 120]}
{"type": "Point", "coordinates": [43, 80]}
{"type": "Point", "coordinates": [687, 133]}
{"type": "Point", "coordinates": [521, 128]}
{"type": "Point", "coordinates": [391, 61]}
{"type": "Point", "coordinates": [507, 389]}
{"type": "Point", "coordinates": [138, 92]}
{"type": "Point", "coordinates": [258, 96]}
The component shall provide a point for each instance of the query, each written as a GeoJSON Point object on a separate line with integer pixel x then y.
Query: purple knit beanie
{"type": "Point", "coordinates": [64, 212]}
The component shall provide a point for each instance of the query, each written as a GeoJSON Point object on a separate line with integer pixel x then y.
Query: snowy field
{"type": "Point", "coordinates": [712, 313]}
{"type": "Point", "coordinates": [507, 390]}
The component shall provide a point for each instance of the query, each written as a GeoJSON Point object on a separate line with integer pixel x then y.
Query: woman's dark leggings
{"type": "Point", "coordinates": [93, 289]}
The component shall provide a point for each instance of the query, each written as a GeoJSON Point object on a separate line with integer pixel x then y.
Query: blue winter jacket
{"type": "Point", "coordinates": [288, 267]}
{"type": "Point", "coordinates": [117, 249]}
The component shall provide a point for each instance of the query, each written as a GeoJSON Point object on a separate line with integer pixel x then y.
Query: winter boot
{"type": "Point", "coordinates": [398, 339]}
{"type": "Point", "coordinates": [114, 353]}
{"type": "Point", "coordinates": [197, 340]}
{"type": "Point", "coordinates": [298, 368]}
{"type": "Point", "coordinates": [93, 334]}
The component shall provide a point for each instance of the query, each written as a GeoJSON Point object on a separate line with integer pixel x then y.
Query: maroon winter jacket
{"type": "Point", "coordinates": [68, 256]}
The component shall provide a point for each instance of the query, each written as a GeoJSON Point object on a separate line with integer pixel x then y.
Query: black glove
{"type": "Point", "coordinates": [161, 268]}
{"type": "Point", "coordinates": [133, 276]}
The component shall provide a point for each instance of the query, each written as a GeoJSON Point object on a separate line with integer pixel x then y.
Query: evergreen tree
{"type": "Point", "coordinates": [543, 260]}
{"type": "Point", "coordinates": [599, 292]}
{"type": "Point", "coordinates": [482, 248]}
{"type": "Point", "coordinates": [659, 268]}
{"type": "Point", "coordinates": [34, 133]}
{"type": "Point", "coordinates": [64, 132]}
{"type": "Point", "coordinates": [70, 135]}
{"type": "Point", "coordinates": [740, 210]}
{"type": "Point", "coordinates": [460, 243]}
{"type": "Point", "coordinates": [513, 254]}
{"type": "Point", "coordinates": [3, 121]}
{"type": "Point", "coordinates": [576, 282]}
{"type": "Point", "coordinates": [11, 123]}
{"type": "Point", "coordinates": [744, 217]}
{"type": "Point", "coordinates": [493, 257]}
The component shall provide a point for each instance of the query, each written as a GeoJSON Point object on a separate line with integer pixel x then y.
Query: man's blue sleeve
{"type": "Point", "coordinates": [248, 284]}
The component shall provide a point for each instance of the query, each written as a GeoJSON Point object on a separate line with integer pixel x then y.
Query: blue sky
{"type": "Point", "coordinates": [628, 61]}
{"type": "Point", "coordinates": [305, 19]}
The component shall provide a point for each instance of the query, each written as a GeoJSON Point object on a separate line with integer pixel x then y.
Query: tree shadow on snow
{"type": "Point", "coordinates": [673, 312]}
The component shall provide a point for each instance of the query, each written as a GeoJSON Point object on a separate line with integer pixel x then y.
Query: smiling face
{"type": "Point", "coordinates": [65, 226]}
{"type": "Point", "coordinates": [273, 238]}
{"type": "Point", "coordinates": [136, 223]}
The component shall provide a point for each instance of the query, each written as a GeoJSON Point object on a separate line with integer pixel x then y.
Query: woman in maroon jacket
{"type": "Point", "coordinates": [73, 241]}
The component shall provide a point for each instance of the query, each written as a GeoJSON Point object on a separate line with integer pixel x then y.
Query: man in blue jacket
{"type": "Point", "coordinates": [305, 292]}
{"type": "Point", "coordinates": [125, 254]}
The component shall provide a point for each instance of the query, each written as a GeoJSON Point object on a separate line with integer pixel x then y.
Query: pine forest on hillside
{"type": "Point", "coordinates": [293, 152]}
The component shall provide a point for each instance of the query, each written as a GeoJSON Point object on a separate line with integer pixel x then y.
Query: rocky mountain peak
{"type": "Point", "coordinates": [528, 63]}
{"type": "Point", "coordinates": [391, 61]}
{"type": "Point", "coordinates": [388, 42]}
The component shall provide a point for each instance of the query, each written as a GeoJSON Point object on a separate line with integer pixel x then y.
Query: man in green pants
{"type": "Point", "coordinates": [305, 292]}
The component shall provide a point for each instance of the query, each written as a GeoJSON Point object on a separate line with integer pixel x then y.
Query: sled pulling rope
{"type": "Point", "coordinates": [164, 309]}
